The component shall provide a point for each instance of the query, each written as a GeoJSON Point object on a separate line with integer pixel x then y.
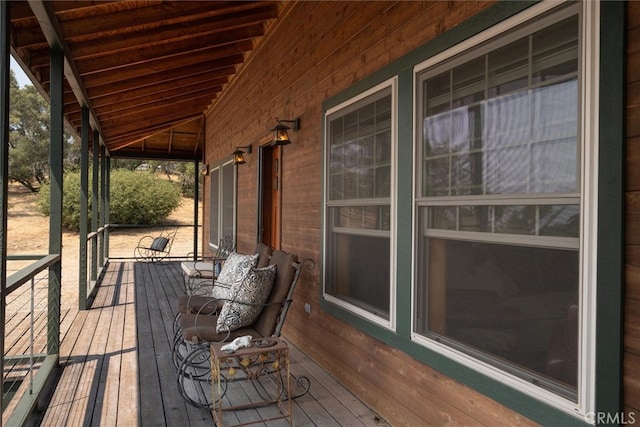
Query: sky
{"type": "Point", "coordinates": [20, 75]}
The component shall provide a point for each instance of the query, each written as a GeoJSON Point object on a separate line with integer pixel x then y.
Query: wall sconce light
{"type": "Point", "coordinates": [281, 136]}
{"type": "Point", "coordinates": [205, 170]}
{"type": "Point", "coordinates": [238, 155]}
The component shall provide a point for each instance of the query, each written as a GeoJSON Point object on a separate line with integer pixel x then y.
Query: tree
{"type": "Point", "coordinates": [28, 135]}
{"type": "Point", "coordinates": [187, 181]}
{"type": "Point", "coordinates": [129, 164]}
{"type": "Point", "coordinates": [136, 198]}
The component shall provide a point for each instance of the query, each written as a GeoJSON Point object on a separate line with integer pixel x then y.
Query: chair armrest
{"type": "Point", "coordinates": [202, 311]}
{"type": "Point", "coordinates": [202, 288]}
{"type": "Point", "coordinates": [249, 304]}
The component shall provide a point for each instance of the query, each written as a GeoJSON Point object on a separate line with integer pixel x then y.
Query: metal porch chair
{"type": "Point", "coordinates": [155, 248]}
{"type": "Point", "coordinates": [198, 275]}
{"type": "Point", "coordinates": [197, 330]}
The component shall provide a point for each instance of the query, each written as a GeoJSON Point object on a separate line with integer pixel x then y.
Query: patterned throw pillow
{"type": "Point", "coordinates": [234, 270]}
{"type": "Point", "coordinates": [253, 290]}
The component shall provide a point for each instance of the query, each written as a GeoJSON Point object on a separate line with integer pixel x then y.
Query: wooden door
{"type": "Point", "coordinates": [270, 197]}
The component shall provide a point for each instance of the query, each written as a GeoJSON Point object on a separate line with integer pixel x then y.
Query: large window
{"type": "Point", "coordinates": [499, 201]}
{"type": "Point", "coordinates": [359, 156]}
{"type": "Point", "coordinates": [222, 210]}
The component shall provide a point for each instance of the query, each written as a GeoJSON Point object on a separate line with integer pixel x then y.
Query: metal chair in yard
{"type": "Point", "coordinates": [216, 319]}
{"type": "Point", "coordinates": [198, 275]}
{"type": "Point", "coordinates": [155, 248]}
{"type": "Point", "coordinates": [198, 296]}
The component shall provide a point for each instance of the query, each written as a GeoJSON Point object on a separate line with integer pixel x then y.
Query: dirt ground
{"type": "Point", "coordinates": [28, 233]}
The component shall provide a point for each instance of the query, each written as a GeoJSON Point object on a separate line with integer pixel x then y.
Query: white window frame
{"type": "Point", "coordinates": [214, 241]}
{"type": "Point", "coordinates": [588, 174]}
{"type": "Point", "coordinates": [369, 316]}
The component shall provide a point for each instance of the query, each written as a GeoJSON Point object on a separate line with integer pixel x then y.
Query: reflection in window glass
{"type": "Point", "coordinates": [512, 302]}
{"type": "Point", "coordinates": [222, 212]}
{"type": "Point", "coordinates": [358, 254]}
{"type": "Point", "coordinates": [498, 240]}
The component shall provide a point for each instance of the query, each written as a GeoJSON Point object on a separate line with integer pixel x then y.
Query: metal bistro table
{"type": "Point", "coordinates": [266, 357]}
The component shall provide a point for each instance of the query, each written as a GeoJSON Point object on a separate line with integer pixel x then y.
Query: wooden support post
{"type": "Point", "coordinates": [196, 198]}
{"type": "Point", "coordinates": [107, 205]}
{"type": "Point", "coordinates": [84, 206]}
{"type": "Point", "coordinates": [55, 177]}
{"type": "Point", "coordinates": [95, 204]}
{"type": "Point", "coordinates": [4, 164]}
{"type": "Point", "coordinates": [103, 189]}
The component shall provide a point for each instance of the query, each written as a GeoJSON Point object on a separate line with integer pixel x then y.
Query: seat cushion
{"type": "Point", "coordinates": [202, 328]}
{"type": "Point", "coordinates": [197, 269]}
{"type": "Point", "coordinates": [247, 299]}
{"type": "Point", "coordinates": [264, 253]}
{"type": "Point", "coordinates": [234, 270]}
{"type": "Point", "coordinates": [267, 321]}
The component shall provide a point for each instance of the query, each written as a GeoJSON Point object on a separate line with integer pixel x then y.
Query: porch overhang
{"type": "Point", "coordinates": [147, 71]}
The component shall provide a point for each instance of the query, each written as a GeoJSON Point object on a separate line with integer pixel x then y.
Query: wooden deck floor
{"type": "Point", "coordinates": [117, 369]}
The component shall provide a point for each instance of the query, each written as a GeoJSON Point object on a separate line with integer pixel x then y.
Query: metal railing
{"type": "Point", "coordinates": [124, 238]}
{"type": "Point", "coordinates": [33, 310]}
{"type": "Point", "coordinates": [117, 242]}
{"type": "Point", "coordinates": [32, 315]}
{"type": "Point", "coordinates": [92, 263]}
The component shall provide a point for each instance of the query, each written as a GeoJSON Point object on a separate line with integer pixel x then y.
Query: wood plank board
{"type": "Point", "coordinates": [117, 367]}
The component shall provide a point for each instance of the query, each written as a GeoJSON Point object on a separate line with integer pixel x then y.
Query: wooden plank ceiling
{"type": "Point", "coordinates": [147, 70]}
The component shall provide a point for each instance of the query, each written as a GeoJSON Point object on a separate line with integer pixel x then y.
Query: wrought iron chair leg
{"type": "Point", "coordinates": [303, 383]}
{"type": "Point", "coordinates": [194, 378]}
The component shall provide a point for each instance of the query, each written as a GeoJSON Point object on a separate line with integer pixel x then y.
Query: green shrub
{"type": "Point", "coordinates": [136, 198]}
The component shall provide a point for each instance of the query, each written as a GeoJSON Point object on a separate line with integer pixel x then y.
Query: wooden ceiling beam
{"type": "Point", "coordinates": [67, 9]}
{"type": "Point", "coordinates": [102, 84]}
{"type": "Point", "coordinates": [184, 110]}
{"type": "Point", "coordinates": [151, 155]}
{"type": "Point", "coordinates": [152, 103]}
{"type": "Point", "coordinates": [168, 77]}
{"type": "Point", "coordinates": [135, 129]}
{"type": "Point", "coordinates": [147, 93]}
{"type": "Point", "coordinates": [175, 37]}
{"type": "Point", "coordinates": [141, 67]}
{"type": "Point", "coordinates": [158, 15]}
{"type": "Point", "coordinates": [209, 47]}
{"type": "Point", "coordinates": [228, 42]}
{"type": "Point", "coordinates": [22, 16]}
{"type": "Point", "coordinates": [112, 18]}
{"type": "Point", "coordinates": [52, 32]}
{"type": "Point", "coordinates": [158, 68]}
{"type": "Point", "coordinates": [143, 104]}
{"type": "Point", "coordinates": [206, 71]}
{"type": "Point", "coordinates": [118, 140]}
{"type": "Point", "coordinates": [144, 94]}
{"type": "Point", "coordinates": [141, 109]}
{"type": "Point", "coordinates": [140, 94]}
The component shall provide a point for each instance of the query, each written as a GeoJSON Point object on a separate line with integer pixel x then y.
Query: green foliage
{"type": "Point", "coordinates": [29, 137]}
{"type": "Point", "coordinates": [187, 180]}
{"type": "Point", "coordinates": [137, 198]}
{"type": "Point", "coordinates": [141, 198]}
{"type": "Point", "coordinates": [177, 172]}
{"type": "Point", "coordinates": [129, 164]}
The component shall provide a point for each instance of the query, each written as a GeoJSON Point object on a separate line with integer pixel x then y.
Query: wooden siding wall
{"type": "Point", "coordinates": [631, 363]}
{"type": "Point", "coordinates": [318, 50]}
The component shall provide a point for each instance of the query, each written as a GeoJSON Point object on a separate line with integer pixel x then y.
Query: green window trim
{"type": "Point", "coordinates": [610, 234]}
